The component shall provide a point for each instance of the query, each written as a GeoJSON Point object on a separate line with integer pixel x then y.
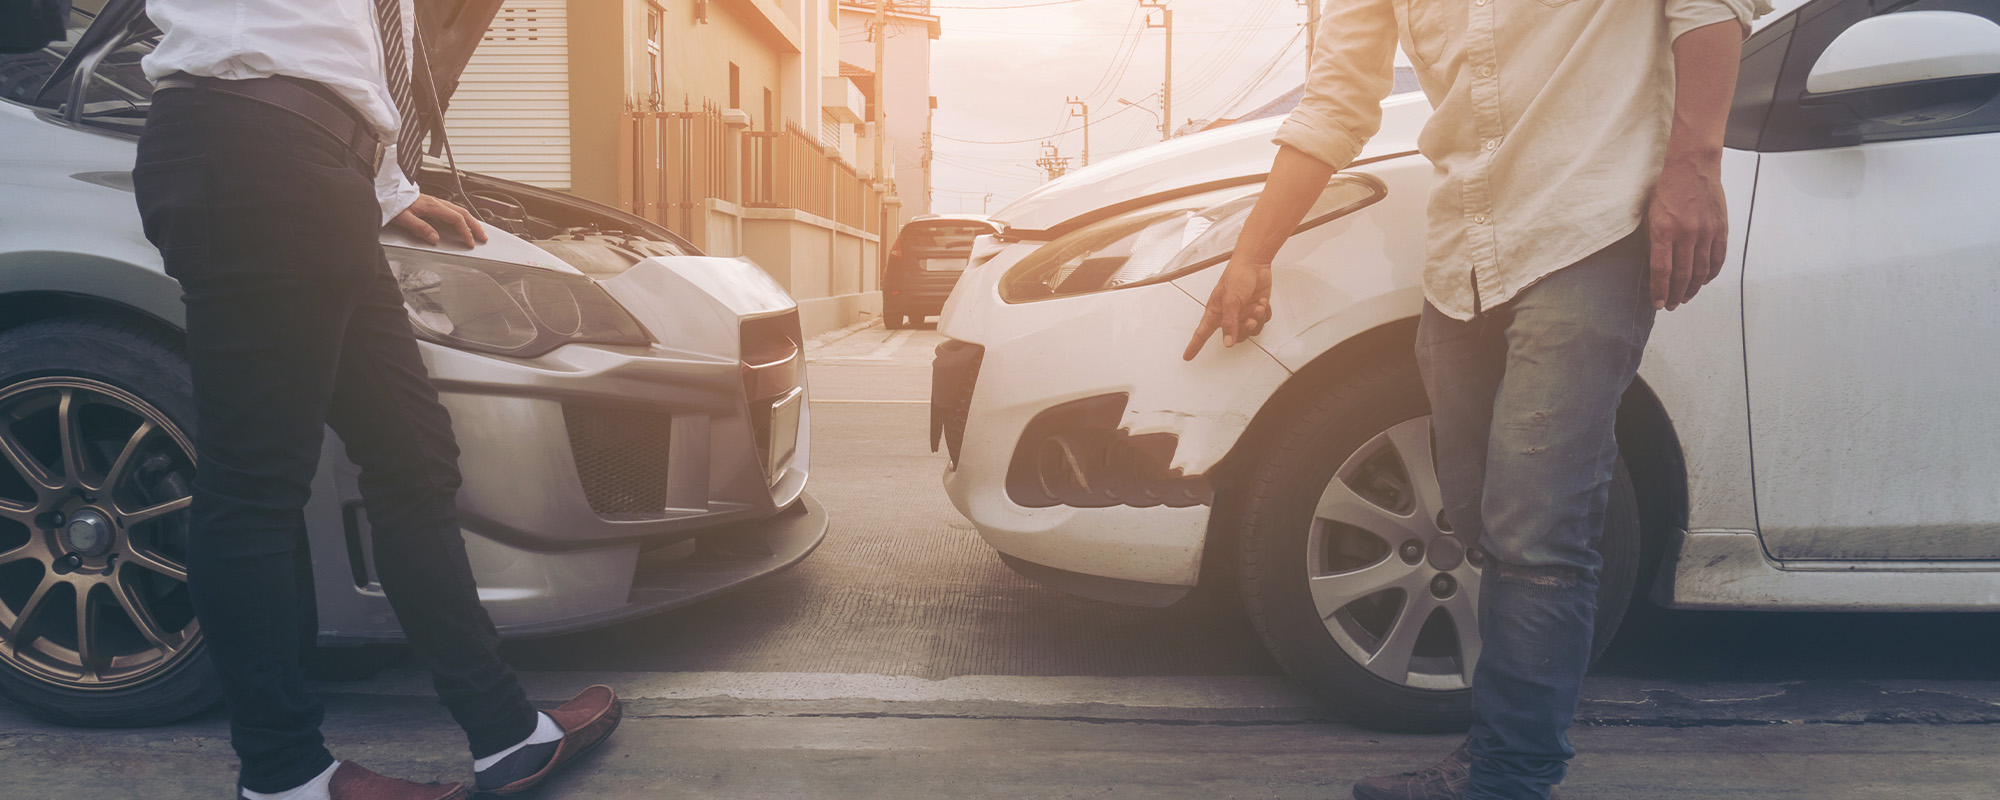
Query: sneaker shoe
{"type": "Point", "coordinates": [1445, 780]}
{"type": "Point", "coordinates": [587, 720]}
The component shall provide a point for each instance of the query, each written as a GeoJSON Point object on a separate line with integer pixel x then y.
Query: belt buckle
{"type": "Point", "coordinates": [375, 162]}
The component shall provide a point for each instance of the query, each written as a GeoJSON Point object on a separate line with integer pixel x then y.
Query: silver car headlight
{"type": "Point", "coordinates": [506, 309]}
{"type": "Point", "coordinates": [1163, 242]}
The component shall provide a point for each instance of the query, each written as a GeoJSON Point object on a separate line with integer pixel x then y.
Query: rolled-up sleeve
{"type": "Point", "coordinates": [1687, 15]}
{"type": "Point", "coordinates": [1353, 69]}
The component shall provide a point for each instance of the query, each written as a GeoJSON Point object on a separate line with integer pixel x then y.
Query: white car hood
{"type": "Point", "coordinates": [1233, 153]}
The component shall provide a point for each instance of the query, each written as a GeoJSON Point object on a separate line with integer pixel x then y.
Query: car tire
{"type": "Point", "coordinates": [132, 398]}
{"type": "Point", "coordinates": [894, 321]}
{"type": "Point", "coordinates": [1291, 521]}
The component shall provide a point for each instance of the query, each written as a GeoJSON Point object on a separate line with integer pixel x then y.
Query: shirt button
{"type": "Point", "coordinates": [1479, 220]}
{"type": "Point", "coordinates": [1484, 71]}
{"type": "Point", "coordinates": [1480, 3]}
{"type": "Point", "coordinates": [1491, 145]}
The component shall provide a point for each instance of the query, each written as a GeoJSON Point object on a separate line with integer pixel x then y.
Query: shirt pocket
{"type": "Point", "coordinates": [1425, 28]}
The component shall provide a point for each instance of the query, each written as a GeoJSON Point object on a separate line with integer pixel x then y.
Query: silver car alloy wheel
{"type": "Point", "coordinates": [1395, 589]}
{"type": "Point", "coordinates": [94, 487]}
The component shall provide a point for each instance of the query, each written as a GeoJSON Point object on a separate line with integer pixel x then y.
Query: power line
{"type": "Point", "coordinates": [1031, 139]}
{"type": "Point", "coordinates": [1007, 8]}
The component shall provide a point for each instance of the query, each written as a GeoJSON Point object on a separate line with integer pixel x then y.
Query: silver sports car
{"type": "Point", "coordinates": [632, 414]}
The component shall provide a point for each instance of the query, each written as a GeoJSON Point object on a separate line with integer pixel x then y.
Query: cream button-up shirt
{"type": "Point", "coordinates": [1550, 127]}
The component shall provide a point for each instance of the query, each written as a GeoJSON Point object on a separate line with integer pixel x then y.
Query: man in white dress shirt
{"type": "Point", "coordinates": [267, 170]}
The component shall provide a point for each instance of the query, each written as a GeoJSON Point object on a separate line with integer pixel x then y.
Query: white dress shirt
{"type": "Point", "coordinates": [1550, 131]}
{"type": "Point", "coordinates": [330, 42]}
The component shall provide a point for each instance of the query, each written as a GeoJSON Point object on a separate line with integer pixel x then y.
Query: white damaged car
{"type": "Point", "coordinates": [1814, 433]}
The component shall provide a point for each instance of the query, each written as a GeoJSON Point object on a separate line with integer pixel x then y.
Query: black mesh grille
{"type": "Point", "coordinates": [953, 373]}
{"type": "Point", "coordinates": [621, 455]}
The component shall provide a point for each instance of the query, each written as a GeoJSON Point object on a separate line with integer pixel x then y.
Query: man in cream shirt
{"type": "Point", "coordinates": [282, 137]}
{"type": "Point", "coordinates": [1578, 147]}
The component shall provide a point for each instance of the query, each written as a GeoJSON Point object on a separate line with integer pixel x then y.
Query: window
{"type": "Point", "coordinates": [943, 235]}
{"type": "Point", "coordinates": [1780, 57]}
{"type": "Point", "coordinates": [735, 86]}
{"type": "Point", "coordinates": [655, 22]}
{"type": "Point", "coordinates": [116, 94]}
{"type": "Point", "coordinates": [24, 75]}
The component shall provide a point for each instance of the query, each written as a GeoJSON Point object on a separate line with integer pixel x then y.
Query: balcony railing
{"type": "Point", "coordinates": [789, 169]}
{"type": "Point", "coordinates": [679, 159]}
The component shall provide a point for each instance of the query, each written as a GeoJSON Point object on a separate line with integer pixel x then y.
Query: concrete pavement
{"type": "Point", "coordinates": [903, 660]}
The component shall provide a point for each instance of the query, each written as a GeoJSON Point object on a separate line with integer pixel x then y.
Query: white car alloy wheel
{"type": "Point", "coordinates": [1357, 590]}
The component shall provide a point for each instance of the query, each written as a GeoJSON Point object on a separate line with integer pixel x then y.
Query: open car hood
{"type": "Point", "coordinates": [453, 29]}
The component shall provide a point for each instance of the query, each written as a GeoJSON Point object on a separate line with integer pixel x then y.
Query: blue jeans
{"type": "Point", "coordinates": [1524, 401]}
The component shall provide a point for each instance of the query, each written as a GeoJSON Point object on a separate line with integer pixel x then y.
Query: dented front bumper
{"type": "Point", "coordinates": [1080, 442]}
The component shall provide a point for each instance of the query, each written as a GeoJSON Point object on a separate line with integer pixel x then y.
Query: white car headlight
{"type": "Point", "coordinates": [511, 310]}
{"type": "Point", "coordinates": [1164, 241]}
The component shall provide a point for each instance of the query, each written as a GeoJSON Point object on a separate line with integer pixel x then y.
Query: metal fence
{"type": "Point", "coordinates": [789, 169]}
{"type": "Point", "coordinates": [679, 159]}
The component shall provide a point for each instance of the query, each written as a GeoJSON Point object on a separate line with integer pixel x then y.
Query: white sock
{"type": "Point", "coordinates": [315, 789]}
{"type": "Point", "coordinates": [546, 730]}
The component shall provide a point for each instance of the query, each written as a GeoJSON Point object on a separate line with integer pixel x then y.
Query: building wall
{"type": "Point", "coordinates": [785, 47]}
{"type": "Point", "coordinates": [907, 76]}
{"type": "Point", "coordinates": [510, 115]}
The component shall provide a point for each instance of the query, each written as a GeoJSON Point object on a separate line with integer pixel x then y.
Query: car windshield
{"type": "Point", "coordinates": [117, 93]}
{"type": "Point", "coordinates": [944, 235]}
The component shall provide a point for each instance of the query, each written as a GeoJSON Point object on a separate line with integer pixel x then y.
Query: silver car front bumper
{"type": "Point", "coordinates": [606, 482]}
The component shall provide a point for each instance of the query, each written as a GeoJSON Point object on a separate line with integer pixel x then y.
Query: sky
{"type": "Point", "coordinates": [1003, 69]}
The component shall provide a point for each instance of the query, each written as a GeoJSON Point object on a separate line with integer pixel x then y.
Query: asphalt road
{"type": "Point", "coordinates": [904, 660]}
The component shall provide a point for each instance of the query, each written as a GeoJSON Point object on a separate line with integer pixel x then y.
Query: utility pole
{"type": "Point", "coordinates": [1085, 113]}
{"type": "Point", "coordinates": [880, 133]}
{"type": "Point", "coordinates": [1312, 26]}
{"type": "Point", "coordinates": [881, 107]}
{"type": "Point", "coordinates": [1052, 161]}
{"type": "Point", "coordinates": [1167, 89]}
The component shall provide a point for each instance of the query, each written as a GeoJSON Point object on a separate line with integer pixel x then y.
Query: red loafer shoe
{"type": "Point", "coordinates": [587, 720]}
{"type": "Point", "coordinates": [352, 781]}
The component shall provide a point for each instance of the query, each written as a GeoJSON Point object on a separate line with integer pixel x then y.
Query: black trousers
{"type": "Point", "coordinates": [294, 322]}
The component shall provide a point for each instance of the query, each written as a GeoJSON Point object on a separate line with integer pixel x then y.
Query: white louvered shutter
{"type": "Point", "coordinates": [510, 115]}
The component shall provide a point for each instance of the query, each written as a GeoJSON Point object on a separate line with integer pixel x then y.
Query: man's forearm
{"type": "Point", "coordinates": [1296, 182]}
{"type": "Point", "coordinates": [1704, 84]}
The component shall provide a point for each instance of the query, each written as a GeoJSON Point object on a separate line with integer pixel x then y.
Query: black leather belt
{"type": "Point", "coordinates": [305, 98]}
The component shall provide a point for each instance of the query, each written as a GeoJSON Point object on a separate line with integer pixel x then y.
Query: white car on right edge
{"type": "Point", "coordinates": [1817, 431]}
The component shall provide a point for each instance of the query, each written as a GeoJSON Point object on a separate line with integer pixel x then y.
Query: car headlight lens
{"type": "Point", "coordinates": [506, 309]}
{"type": "Point", "coordinates": [1163, 242]}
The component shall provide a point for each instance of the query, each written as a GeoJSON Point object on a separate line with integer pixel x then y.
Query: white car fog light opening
{"type": "Point", "coordinates": [1164, 241]}
{"type": "Point", "coordinates": [505, 309]}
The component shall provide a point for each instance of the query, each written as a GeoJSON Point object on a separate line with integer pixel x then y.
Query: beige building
{"type": "Point", "coordinates": [906, 89]}
{"type": "Point", "coordinates": [728, 121]}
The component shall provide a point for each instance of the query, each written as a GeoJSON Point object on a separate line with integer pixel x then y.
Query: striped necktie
{"type": "Point", "coordinates": [396, 68]}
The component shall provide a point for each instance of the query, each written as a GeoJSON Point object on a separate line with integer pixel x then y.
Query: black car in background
{"type": "Point", "coordinates": [924, 265]}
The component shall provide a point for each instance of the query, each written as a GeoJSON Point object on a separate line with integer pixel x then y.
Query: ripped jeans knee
{"type": "Point", "coordinates": [1557, 576]}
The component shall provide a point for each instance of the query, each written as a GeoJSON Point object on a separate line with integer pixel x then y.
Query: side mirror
{"type": "Point", "coordinates": [1910, 67]}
